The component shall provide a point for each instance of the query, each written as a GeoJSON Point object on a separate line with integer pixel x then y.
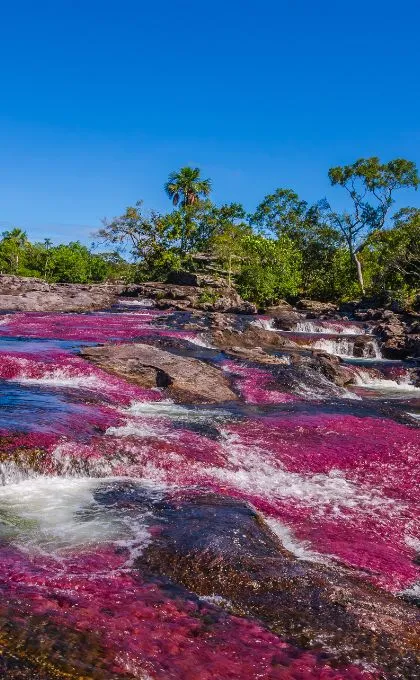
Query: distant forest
{"type": "Point", "coordinates": [286, 248]}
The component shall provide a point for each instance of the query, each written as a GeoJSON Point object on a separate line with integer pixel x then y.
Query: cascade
{"type": "Point", "coordinates": [344, 346]}
{"type": "Point", "coordinates": [336, 327]}
{"type": "Point", "coordinates": [94, 467]}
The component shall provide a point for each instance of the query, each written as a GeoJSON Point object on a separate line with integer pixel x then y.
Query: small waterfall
{"type": "Point", "coordinates": [345, 347]}
{"type": "Point", "coordinates": [375, 380]}
{"type": "Point", "coordinates": [334, 327]}
{"type": "Point", "coordinates": [264, 322]}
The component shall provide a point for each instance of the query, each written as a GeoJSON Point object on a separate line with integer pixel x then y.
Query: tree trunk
{"type": "Point", "coordinates": [359, 273]}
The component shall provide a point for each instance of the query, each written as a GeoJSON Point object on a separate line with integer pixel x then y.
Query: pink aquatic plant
{"type": "Point", "coordinates": [254, 384]}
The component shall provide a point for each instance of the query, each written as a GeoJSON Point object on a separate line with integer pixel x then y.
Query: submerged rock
{"type": "Point", "coordinates": [219, 546]}
{"type": "Point", "coordinates": [186, 378]}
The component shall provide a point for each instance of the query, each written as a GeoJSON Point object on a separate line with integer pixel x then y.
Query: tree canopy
{"type": "Point", "coordinates": [287, 247]}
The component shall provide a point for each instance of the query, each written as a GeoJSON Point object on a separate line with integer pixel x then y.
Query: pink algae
{"type": "Point", "coordinates": [253, 384]}
{"type": "Point", "coordinates": [345, 486]}
{"type": "Point", "coordinates": [63, 369]}
{"type": "Point", "coordinates": [146, 631]}
{"type": "Point", "coordinates": [100, 327]}
{"type": "Point", "coordinates": [340, 493]}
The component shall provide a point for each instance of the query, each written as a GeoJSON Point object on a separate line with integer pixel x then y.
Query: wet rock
{"type": "Point", "coordinates": [391, 331]}
{"type": "Point", "coordinates": [285, 319]}
{"type": "Point", "coordinates": [185, 378]}
{"type": "Point", "coordinates": [216, 545]}
{"type": "Point", "coordinates": [412, 345]}
{"type": "Point", "coordinates": [251, 338]}
{"type": "Point", "coordinates": [255, 355]}
{"type": "Point", "coordinates": [332, 368]}
{"type": "Point", "coordinates": [364, 347]}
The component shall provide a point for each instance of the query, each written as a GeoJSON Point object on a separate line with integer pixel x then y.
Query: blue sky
{"type": "Point", "coordinates": [100, 100]}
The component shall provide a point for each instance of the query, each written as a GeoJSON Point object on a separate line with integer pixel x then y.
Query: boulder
{"type": "Point", "coordinates": [364, 347]}
{"type": "Point", "coordinates": [332, 368]}
{"type": "Point", "coordinates": [212, 298]}
{"type": "Point", "coordinates": [314, 308]}
{"type": "Point", "coordinates": [285, 319]}
{"type": "Point", "coordinates": [412, 345]}
{"type": "Point", "coordinates": [34, 295]}
{"type": "Point", "coordinates": [184, 278]}
{"type": "Point", "coordinates": [250, 338]}
{"type": "Point", "coordinates": [185, 379]}
{"type": "Point", "coordinates": [217, 545]}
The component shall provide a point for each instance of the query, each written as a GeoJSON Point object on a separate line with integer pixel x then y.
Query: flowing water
{"type": "Point", "coordinates": [90, 463]}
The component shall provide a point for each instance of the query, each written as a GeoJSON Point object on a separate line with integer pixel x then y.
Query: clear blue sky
{"type": "Point", "coordinates": [101, 99]}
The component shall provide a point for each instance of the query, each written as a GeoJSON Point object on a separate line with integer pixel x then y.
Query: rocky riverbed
{"type": "Point", "coordinates": [193, 490]}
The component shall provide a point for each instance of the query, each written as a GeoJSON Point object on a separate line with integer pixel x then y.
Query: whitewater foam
{"type": "Point", "coordinates": [300, 549]}
{"type": "Point", "coordinates": [54, 514]}
{"type": "Point", "coordinates": [256, 471]}
{"type": "Point", "coordinates": [339, 328]}
{"type": "Point", "coordinates": [364, 379]}
{"type": "Point", "coordinates": [344, 347]}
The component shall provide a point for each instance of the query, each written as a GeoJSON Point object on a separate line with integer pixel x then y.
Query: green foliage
{"type": "Point", "coordinates": [370, 186]}
{"type": "Point", "coordinates": [271, 269]}
{"type": "Point", "coordinates": [280, 213]}
{"type": "Point", "coordinates": [393, 256]}
{"type": "Point", "coordinates": [71, 263]}
{"type": "Point", "coordinates": [207, 297]}
{"type": "Point", "coordinates": [284, 249]}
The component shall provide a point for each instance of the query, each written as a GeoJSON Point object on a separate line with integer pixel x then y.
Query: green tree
{"type": "Point", "coordinates": [134, 231]}
{"type": "Point", "coordinates": [370, 186]}
{"type": "Point", "coordinates": [281, 212]}
{"type": "Point", "coordinates": [186, 188]}
{"type": "Point", "coordinates": [393, 255]}
{"type": "Point", "coordinates": [271, 269]}
{"type": "Point", "coordinates": [12, 249]}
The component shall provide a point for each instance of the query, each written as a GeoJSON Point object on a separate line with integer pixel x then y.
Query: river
{"type": "Point", "coordinates": [117, 502]}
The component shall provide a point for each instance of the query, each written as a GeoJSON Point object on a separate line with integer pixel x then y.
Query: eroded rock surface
{"type": "Point", "coordinates": [215, 545]}
{"type": "Point", "coordinates": [251, 338]}
{"type": "Point", "coordinates": [34, 295]}
{"type": "Point", "coordinates": [186, 378]}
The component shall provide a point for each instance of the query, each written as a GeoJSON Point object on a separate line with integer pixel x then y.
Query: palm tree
{"type": "Point", "coordinates": [47, 245]}
{"type": "Point", "coordinates": [185, 188]}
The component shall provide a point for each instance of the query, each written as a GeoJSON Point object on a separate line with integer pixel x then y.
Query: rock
{"type": "Point", "coordinates": [314, 307]}
{"type": "Point", "coordinates": [251, 337]}
{"type": "Point", "coordinates": [332, 367]}
{"type": "Point", "coordinates": [184, 278]}
{"type": "Point", "coordinates": [364, 347]}
{"type": "Point", "coordinates": [391, 329]}
{"type": "Point", "coordinates": [280, 307]}
{"type": "Point", "coordinates": [185, 378]}
{"type": "Point", "coordinates": [256, 355]}
{"type": "Point", "coordinates": [34, 295]}
{"type": "Point", "coordinates": [414, 327]}
{"type": "Point", "coordinates": [211, 299]}
{"type": "Point", "coordinates": [392, 333]}
{"type": "Point", "coordinates": [220, 320]}
{"type": "Point", "coordinates": [394, 348]}
{"type": "Point", "coordinates": [286, 320]}
{"type": "Point", "coordinates": [412, 345]}
{"type": "Point", "coordinates": [214, 544]}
